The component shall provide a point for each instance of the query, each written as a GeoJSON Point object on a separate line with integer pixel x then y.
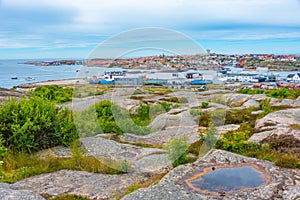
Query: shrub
{"type": "Point", "coordinates": [35, 124]}
{"type": "Point", "coordinates": [2, 148]}
{"type": "Point", "coordinates": [204, 104]}
{"type": "Point", "coordinates": [280, 93]}
{"type": "Point", "coordinates": [113, 119]}
{"type": "Point", "coordinates": [236, 141]}
{"type": "Point", "coordinates": [196, 112]}
{"type": "Point", "coordinates": [266, 107]}
{"type": "Point", "coordinates": [177, 149]}
{"type": "Point", "coordinates": [106, 116]}
{"type": "Point", "coordinates": [54, 93]}
{"type": "Point", "coordinates": [237, 116]}
{"type": "Point", "coordinates": [205, 119]}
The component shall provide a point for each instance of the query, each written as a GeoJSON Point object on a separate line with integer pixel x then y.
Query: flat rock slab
{"type": "Point", "coordinates": [251, 103]}
{"type": "Point", "coordinates": [7, 193]}
{"type": "Point", "coordinates": [226, 128]}
{"type": "Point", "coordinates": [283, 183]}
{"type": "Point", "coordinates": [283, 122]}
{"type": "Point", "coordinates": [105, 149]}
{"type": "Point", "coordinates": [236, 100]}
{"type": "Point", "coordinates": [94, 186]}
{"type": "Point", "coordinates": [172, 119]}
{"type": "Point", "coordinates": [163, 137]}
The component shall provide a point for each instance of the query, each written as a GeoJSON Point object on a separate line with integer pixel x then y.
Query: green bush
{"type": "Point", "coordinates": [266, 107]}
{"type": "Point", "coordinates": [275, 93]}
{"type": "Point", "coordinates": [280, 93]}
{"type": "Point", "coordinates": [87, 123]}
{"type": "Point", "coordinates": [237, 116]}
{"type": "Point", "coordinates": [205, 119]}
{"type": "Point", "coordinates": [54, 93]}
{"type": "Point", "coordinates": [2, 147]}
{"type": "Point", "coordinates": [177, 149]}
{"type": "Point", "coordinates": [113, 119]}
{"type": "Point", "coordinates": [106, 112]}
{"type": "Point", "coordinates": [204, 104]}
{"type": "Point", "coordinates": [35, 123]}
{"type": "Point", "coordinates": [251, 91]}
{"type": "Point", "coordinates": [196, 112]}
{"type": "Point", "coordinates": [236, 141]}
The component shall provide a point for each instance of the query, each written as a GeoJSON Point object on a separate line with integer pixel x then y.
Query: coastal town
{"type": "Point", "coordinates": [253, 70]}
{"type": "Point", "coordinates": [265, 71]}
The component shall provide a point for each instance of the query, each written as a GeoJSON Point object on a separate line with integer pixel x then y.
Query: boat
{"type": "Point", "coordinates": [29, 78]}
{"type": "Point", "coordinates": [14, 78]}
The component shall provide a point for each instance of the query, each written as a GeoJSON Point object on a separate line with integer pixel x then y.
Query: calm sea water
{"type": "Point", "coordinates": [12, 68]}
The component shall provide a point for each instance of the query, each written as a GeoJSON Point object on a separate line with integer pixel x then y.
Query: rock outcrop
{"type": "Point", "coordinates": [163, 137]}
{"type": "Point", "coordinates": [282, 184]}
{"type": "Point", "coordinates": [111, 151]}
{"type": "Point", "coordinates": [283, 122]}
{"type": "Point", "coordinates": [94, 186]}
{"type": "Point", "coordinates": [171, 119]}
{"type": "Point", "coordinates": [6, 93]}
{"type": "Point", "coordinates": [8, 192]}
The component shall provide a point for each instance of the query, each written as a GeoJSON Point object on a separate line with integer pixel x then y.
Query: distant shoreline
{"type": "Point", "coordinates": [62, 82]}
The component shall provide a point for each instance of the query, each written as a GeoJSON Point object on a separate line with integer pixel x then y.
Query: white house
{"type": "Point", "coordinates": [293, 78]}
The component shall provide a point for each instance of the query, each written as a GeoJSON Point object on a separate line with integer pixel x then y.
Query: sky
{"type": "Point", "coordinates": [74, 28]}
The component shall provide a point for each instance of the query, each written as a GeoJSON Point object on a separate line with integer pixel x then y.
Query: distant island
{"type": "Point", "coordinates": [54, 63]}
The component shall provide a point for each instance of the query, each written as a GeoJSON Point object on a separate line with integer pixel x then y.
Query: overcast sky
{"type": "Point", "coordinates": [73, 28]}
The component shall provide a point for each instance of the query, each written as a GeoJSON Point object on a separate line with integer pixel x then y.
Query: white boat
{"type": "Point", "coordinates": [29, 78]}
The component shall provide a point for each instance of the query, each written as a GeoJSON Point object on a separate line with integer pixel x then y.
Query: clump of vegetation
{"type": "Point", "coordinates": [196, 112]}
{"type": "Point", "coordinates": [251, 91]}
{"type": "Point", "coordinates": [238, 116]}
{"type": "Point", "coordinates": [35, 123]}
{"type": "Point", "coordinates": [54, 93]}
{"type": "Point", "coordinates": [204, 104]}
{"type": "Point", "coordinates": [236, 141]}
{"type": "Point", "coordinates": [278, 150]}
{"type": "Point", "coordinates": [177, 150]}
{"type": "Point", "coordinates": [205, 119]}
{"type": "Point", "coordinates": [220, 99]}
{"type": "Point", "coordinates": [70, 197]}
{"type": "Point", "coordinates": [266, 107]}
{"type": "Point", "coordinates": [110, 118]}
{"type": "Point", "coordinates": [19, 165]}
{"type": "Point", "coordinates": [275, 93]}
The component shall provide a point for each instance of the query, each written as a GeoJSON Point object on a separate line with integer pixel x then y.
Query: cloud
{"type": "Point", "coordinates": [58, 24]}
{"type": "Point", "coordinates": [119, 14]}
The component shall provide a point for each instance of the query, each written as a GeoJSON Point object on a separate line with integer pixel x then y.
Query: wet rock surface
{"type": "Point", "coordinates": [283, 182]}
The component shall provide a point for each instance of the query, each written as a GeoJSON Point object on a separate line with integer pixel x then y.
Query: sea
{"type": "Point", "coordinates": [10, 69]}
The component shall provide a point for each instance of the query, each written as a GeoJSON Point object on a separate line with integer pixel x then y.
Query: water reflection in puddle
{"type": "Point", "coordinates": [227, 179]}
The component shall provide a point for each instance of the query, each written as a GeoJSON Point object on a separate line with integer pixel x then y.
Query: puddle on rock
{"type": "Point", "coordinates": [223, 179]}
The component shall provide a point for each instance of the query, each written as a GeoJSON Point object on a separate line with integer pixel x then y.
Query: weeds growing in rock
{"type": "Point", "coordinates": [278, 151]}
